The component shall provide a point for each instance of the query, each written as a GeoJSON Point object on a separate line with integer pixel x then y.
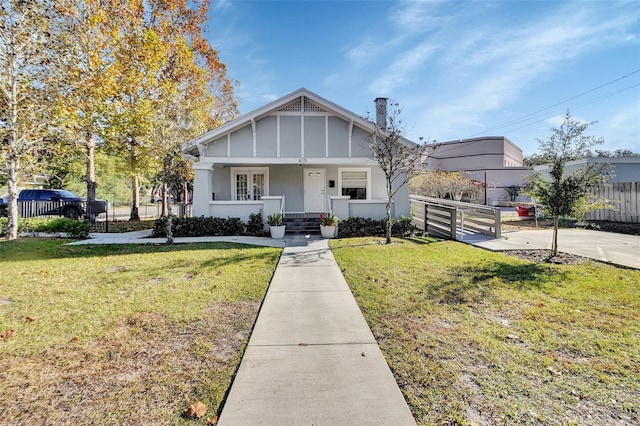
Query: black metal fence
{"type": "Point", "coordinates": [99, 213]}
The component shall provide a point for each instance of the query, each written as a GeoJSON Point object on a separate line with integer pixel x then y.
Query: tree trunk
{"type": "Point", "coordinates": [554, 243]}
{"type": "Point", "coordinates": [12, 160]}
{"type": "Point", "coordinates": [12, 185]}
{"type": "Point", "coordinates": [135, 199]}
{"type": "Point", "coordinates": [135, 184]}
{"type": "Point", "coordinates": [169, 228]}
{"type": "Point", "coordinates": [91, 174]}
{"type": "Point", "coordinates": [91, 168]}
{"type": "Point", "coordinates": [388, 230]}
{"type": "Point", "coordinates": [165, 200]}
{"type": "Point", "coordinates": [185, 198]}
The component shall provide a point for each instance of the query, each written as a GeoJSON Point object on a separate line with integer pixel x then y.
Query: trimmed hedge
{"type": "Point", "coordinates": [366, 227]}
{"type": "Point", "coordinates": [217, 226]}
{"type": "Point", "coordinates": [209, 226]}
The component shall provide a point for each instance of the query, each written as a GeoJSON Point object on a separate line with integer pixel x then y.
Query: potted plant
{"type": "Point", "coordinates": [276, 225]}
{"type": "Point", "coordinates": [328, 224]}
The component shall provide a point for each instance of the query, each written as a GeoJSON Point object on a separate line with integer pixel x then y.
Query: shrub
{"type": "Point", "coordinates": [255, 225]}
{"type": "Point", "coordinates": [73, 228]}
{"type": "Point", "coordinates": [366, 227]}
{"type": "Point", "coordinates": [199, 226]}
{"type": "Point", "coordinates": [402, 227]}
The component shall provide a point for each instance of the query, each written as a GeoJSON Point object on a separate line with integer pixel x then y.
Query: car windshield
{"type": "Point", "coordinates": [66, 194]}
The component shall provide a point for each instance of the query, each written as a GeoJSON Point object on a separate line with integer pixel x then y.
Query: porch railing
{"type": "Point", "coordinates": [454, 219]}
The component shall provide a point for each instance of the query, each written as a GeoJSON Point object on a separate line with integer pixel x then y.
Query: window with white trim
{"type": "Point", "coordinates": [249, 183]}
{"type": "Point", "coordinates": [355, 182]}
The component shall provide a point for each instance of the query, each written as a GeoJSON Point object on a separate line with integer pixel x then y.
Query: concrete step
{"type": "Point", "coordinates": [302, 225]}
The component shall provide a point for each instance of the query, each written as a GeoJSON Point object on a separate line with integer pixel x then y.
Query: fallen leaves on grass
{"type": "Point", "coordinates": [8, 334]}
{"type": "Point", "coordinates": [147, 351]}
{"type": "Point", "coordinates": [212, 421]}
{"type": "Point", "coordinates": [554, 370]}
{"type": "Point", "coordinates": [29, 319]}
{"type": "Point", "coordinates": [197, 410]}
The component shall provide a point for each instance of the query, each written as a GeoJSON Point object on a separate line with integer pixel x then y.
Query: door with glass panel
{"type": "Point", "coordinates": [249, 184]}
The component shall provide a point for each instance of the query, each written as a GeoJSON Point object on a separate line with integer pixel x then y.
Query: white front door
{"type": "Point", "coordinates": [314, 190]}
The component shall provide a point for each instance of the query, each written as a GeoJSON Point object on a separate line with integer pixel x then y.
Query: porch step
{"type": "Point", "coordinates": [302, 224]}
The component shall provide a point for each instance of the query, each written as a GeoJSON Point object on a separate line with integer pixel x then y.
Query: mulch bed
{"type": "Point", "coordinates": [544, 256]}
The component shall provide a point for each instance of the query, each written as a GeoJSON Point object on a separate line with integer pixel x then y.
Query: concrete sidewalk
{"type": "Point", "coordinates": [312, 359]}
{"type": "Point", "coordinates": [618, 249]}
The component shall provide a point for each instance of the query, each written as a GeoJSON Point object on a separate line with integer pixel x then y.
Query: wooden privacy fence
{"type": "Point", "coordinates": [454, 219]}
{"type": "Point", "coordinates": [626, 198]}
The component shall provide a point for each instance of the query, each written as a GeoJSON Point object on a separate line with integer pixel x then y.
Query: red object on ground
{"type": "Point", "coordinates": [524, 211]}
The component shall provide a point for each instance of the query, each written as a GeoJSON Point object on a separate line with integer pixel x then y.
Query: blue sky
{"type": "Point", "coordinates": [460, 69]}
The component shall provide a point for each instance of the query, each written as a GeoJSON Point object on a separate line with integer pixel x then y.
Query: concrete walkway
{"type": "Point", "coordinates": [617, 249]}
{"type": "Point", "coordinates": [312, 359]}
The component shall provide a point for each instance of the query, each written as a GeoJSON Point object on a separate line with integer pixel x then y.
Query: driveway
{"type": "Point", "coordinates": [618, 249]}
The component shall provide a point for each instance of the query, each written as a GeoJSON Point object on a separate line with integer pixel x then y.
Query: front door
{"type": "Point", "coordinates": [314, 190]}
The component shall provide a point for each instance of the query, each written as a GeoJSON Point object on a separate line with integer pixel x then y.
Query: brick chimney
{"type": "Point", "coordinates": [381, 112]}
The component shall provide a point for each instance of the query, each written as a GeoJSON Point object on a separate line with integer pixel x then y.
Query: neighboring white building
{"type": "Point", "coordinates": [300, 154]}
{"type": "Point", "coordinates": [494, 161]}
{"type": "Point", "coordinates": [624, 169]}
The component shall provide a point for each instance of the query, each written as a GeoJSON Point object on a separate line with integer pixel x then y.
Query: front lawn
{"type": "Point", "coordinates": [484, 338]}
{"type": "Point", "coordinates": [123, 334]}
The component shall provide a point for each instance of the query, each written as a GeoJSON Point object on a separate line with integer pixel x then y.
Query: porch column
{"type": "Point", "coordinates": [202, 189]}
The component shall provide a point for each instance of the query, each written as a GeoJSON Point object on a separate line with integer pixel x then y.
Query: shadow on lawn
{"type": "Point", "coordinates": [470, 284]}
{"type": "Point", "coordinates": [25, 250]}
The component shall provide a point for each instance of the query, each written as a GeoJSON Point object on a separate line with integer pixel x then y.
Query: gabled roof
{"type": "Point", "coordinates": [295, 101]}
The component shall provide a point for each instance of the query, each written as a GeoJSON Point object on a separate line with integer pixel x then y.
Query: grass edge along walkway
{"type": "Point", "coordinates": [124, 333]}
{"type": "Point", "coordinates": [476, 336]}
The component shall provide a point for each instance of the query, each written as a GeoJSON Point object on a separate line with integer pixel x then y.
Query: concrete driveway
{"type": "Point", "coordinates": [618, 249]}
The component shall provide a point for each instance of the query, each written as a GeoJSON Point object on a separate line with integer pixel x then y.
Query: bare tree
{"type": "Point", "coordinates": [398, 157]}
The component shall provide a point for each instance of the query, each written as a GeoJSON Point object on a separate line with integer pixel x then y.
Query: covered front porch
{"type": "Point", "coordinates": [340, 206]}
{"type": "Point", "coordinates": [239, 190]}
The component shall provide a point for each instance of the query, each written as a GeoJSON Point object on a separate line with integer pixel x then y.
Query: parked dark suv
{"type": "Point", "coordinates": [42, 202]}
{"type": "Point", "coordinates": [4, 205]}
{"type": "Point", "coordinates": [52, 202]}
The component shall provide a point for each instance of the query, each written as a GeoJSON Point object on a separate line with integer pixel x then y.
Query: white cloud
{"type": "Point", "coordinates": [403, 69]}
{"type": "Point", "coordinates": [493, 68]}
{"type": "Point", "coordinates": [418, 16]}
{"type": "Point", "coordinates": [363, 53]}
{"type": "Point", "coordinates": [221, 4]}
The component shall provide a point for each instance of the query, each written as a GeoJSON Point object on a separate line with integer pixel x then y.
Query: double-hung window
{"type": "Point", "coordinates": [355, 182]}
{"type": "Point", "coordinates": [249, 183]}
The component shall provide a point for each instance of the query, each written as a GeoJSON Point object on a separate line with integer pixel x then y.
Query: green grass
{"type": "Point", "coordinates": [479, 337]}
{"type": "Point", "coordinates": [123, 332]}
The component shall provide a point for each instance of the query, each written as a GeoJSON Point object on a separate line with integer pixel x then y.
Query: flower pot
{"type": "Point", "coordinates": [277, 232]}
{"type": "Point", "coordinates": [328, 231]}
{"type": "Point", "coordinates": [524, 211]}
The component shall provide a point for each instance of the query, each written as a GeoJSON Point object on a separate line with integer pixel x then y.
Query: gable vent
{"type": "Point", "coordinates": [296, 106]}
{"type": "Point", "coordinates": [311, 107]}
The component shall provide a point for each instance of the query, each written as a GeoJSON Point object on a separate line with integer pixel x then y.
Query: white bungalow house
{"type": "Point", "coordinates": [298, 154]}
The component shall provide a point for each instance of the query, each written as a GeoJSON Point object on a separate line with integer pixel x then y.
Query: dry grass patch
{"type": "Point", "coordinates": [484, 338]}
{"type": "Point", "coordinates": [157, 329]}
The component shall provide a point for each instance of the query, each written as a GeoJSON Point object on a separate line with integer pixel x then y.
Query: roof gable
{"type": "Point", "coordinates": [299, 102]}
